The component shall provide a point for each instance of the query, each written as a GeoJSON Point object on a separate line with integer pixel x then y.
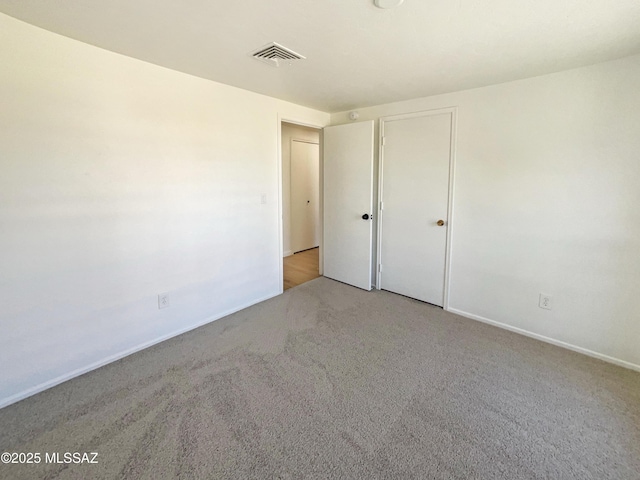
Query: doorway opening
{"type": "Point", "coordinates": [301, 208]}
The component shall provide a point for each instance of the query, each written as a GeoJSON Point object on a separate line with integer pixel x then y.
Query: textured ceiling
{"type": "Point", "coordinates": [357, 55]}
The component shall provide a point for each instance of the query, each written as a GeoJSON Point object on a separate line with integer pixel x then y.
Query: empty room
{"type": "Point", "coordinates": [454, 185]}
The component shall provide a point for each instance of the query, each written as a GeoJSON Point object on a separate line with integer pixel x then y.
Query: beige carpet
{"type": "Point", "coordinates": [327, 381]}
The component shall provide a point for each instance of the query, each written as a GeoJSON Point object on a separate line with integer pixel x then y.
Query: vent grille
{"type": "Point", "coordinates": [276, 55]}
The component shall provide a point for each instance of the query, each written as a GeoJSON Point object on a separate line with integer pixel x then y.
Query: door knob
{"type": "Point", "coordinates": [365, 216]}
{"type": "Point", "coordinates": [440, 223]}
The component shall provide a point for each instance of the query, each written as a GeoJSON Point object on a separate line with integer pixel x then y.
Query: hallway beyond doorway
{"type": "Point", "coordinates": [301, 267]}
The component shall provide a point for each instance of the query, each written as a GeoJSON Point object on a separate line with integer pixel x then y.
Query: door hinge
{"type": "Point", "coordinates": [381, 206]}
{"type": "Point", "coordinates": [383, 141]}
{"type": "Point", "coordinates": [379, 267]}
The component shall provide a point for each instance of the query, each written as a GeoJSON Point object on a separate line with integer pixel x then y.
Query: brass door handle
{"type": "Point", "coordinates": [440, 223]}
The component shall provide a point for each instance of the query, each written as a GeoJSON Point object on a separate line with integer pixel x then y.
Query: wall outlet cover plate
{"type": "Point", "coordinates": [163, 300]}
{"type": "Point", "coordinates": [545, 301]}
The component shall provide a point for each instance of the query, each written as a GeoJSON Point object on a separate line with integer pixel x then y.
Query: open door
{"type": "Point", "coordinates": [348, 203]}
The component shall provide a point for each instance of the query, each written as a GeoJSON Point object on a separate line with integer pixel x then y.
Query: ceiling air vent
{"type": "Point", "coordinates": [276, 55]}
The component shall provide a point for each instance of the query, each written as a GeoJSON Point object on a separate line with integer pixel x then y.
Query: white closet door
{"type": "Point", "coordinates": [348, 197]}
{"type": "Point", "coordinates": [305, 195]}
{"type": "Point", "coordinates": [415, 191]}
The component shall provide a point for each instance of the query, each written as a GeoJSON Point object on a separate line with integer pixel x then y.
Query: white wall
{"type": "Point", "coordinates": [547, 199]}
{"type": "Point", "coordinates": [290, 131]}
{"type": "Point", "coordinates": [120, 180]}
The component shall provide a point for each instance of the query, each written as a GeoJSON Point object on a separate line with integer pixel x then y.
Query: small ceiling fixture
{"type": "Point", "coordinates": [276, 55]}
{"type": "Point", "coordinates": [387, 3]}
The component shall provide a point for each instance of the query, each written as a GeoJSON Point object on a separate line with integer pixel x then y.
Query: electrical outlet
{"type": "Point", "coordinates": [263, 199]}
{"type": "Point", "coordinates": [545, 301]}
{"type": "Point", "coordinates": [163, 300]}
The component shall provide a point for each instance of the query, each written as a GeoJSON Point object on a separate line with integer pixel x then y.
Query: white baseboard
{"type": "Point", "coordinates": [112, 358]}
{"type": "Point", "coordinates": [542, 338]}
{"type": "Point", "coordinates": [288, 253]}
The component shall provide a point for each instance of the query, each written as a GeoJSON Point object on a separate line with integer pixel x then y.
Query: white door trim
{"type": "Point", "coordinates": [452, 159]}
{"type": "Point", "coordinates": [301, 123]}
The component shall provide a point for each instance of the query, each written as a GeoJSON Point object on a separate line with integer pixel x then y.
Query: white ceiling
{"type": "Point", "coordinates": [357, 55]}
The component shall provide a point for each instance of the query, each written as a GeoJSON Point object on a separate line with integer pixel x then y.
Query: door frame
{"type": "Point", "coordinates": [293, 121]}
{"type": "Point", "coordinates": [452, 160]}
